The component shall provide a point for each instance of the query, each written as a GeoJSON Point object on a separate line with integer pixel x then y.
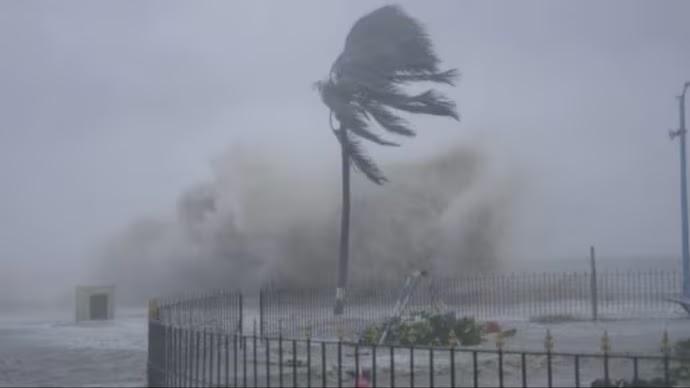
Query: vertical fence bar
{"type": "Point", "coordinates": [180, 354]}
{"type": "Point", "coordinates": [197, 358]}
{"type": "Point", "coordinates": [169, 346]}
{"type": "Point", "coordinates": [256, 360]}
{"type": "Point", "coordinates": [475, 369]}
{"type": "Point", "coordinates": [523, 369]}
{"type": "Point", "coordinates": [452, 367]}
{"type": "Point", "coordinates": [577, 371]}
{"type": "Point", "coordinates": [492, 295]}
{"type": "Point", "coordinates": [618, 290]}
{"type": "Point", "coordinates": [240, 303]}
{"type": "Point", "coordinates": [593, 285]}
{"type": "Point", "coordinates": [294, 363]}
{"type": "Point", "coordinates": [667, 375]}
{"type": "Point", "coordinates": [392, 369]}
{"type": "Point", "coordinates": [208, 347]}
{"type": "Point", "coordinates": [156, 348]}
{"type": "Point", "coordinates": [173, 356]}
{"type": "Point", "coordinates": [187, 351]}
{"type": "Point", "coordinates": [268, 362]}
{"type": "Point", "coordinates": [500, 368]}
{"type": "Point", "coordinates": [227, 360]}
{"type": "Point", "coordinates": [545, 284]}
{"type": "Point", "coordinates": [340, 363]}
{"type": "Point", "coordinates": [636, 375]}
{"type": "Point", "coordinates": [645, 289]}
{"type": "Point", "coordinates": [657, 291]}
{"type": "Point", "coordinates": [234, 359]}
{"type": "Point", "coordinates": [309, 361]}
{"type": "Point", "coordinates": [243, 341]}
{"type": "Point", "coordinates": [411, 366]}
{"type": "Point", "coordinates": [373, 366]}
{"type": "Point", "coordinates": [357, 373]}
{"type": "Point", "coordinates": [210, 359]}
{"type": "Point", "coordinates": [323, 364]}
{"type": "Point", "coordinates": [431, 367]}
{"type": "Point", "coordinates": [549, 371]}
{"type": "Point", "coordinates": [188, 347]}
{"type": "Point", "coordinates": [261, 313]}
{"type": "Point", "coordinates": [204, 365]}
{"type": "Point", "coordinates": [280, 360]}
{"type": "Point", "coordinates": [219, 346]}
{"type": "Point", "coordinates": [167, 377]}
{"type": "Point", "coordinates": [606, 367]}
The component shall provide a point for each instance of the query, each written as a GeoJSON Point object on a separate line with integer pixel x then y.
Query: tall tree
{"type": "Point", "coordinates": [385, 51]}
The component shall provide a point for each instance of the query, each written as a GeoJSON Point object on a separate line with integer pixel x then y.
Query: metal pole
{"type": "Point", "coordinates": [684, 197]}
{"type": "Point", "coordinates": [683, 193]}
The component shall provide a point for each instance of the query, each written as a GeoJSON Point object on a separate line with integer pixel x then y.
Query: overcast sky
{"type": "Point", "coordinates": [108, 110]}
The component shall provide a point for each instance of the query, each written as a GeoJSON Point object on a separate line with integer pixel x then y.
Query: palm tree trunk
{"type": "Point", "coordinates": [344, 227]}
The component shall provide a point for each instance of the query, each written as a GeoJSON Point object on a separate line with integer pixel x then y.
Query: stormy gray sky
{"type": "Point", "coordinates": [108, 110]}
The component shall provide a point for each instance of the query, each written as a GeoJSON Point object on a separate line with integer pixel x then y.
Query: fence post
{"type": "Point", "coordinates": [261, 313]}
{"type": "Point", "coordinates": [156, 344]}
{"type": "Point", "coordinates": [548, 345]}
{"type": "Point", "coordinates": [593, 285]}
{"type": "Point", "coordinates": [241, 322]}
{"type": "Point", "coordinates": [666, 350]}
{"type": "Point", "coordinates": [499, 347]}
{"type": "Point", "coordinates": [606, 348]}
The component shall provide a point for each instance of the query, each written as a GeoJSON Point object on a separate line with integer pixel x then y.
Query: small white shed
{"type": "Point", "coordinates": [95, 303]}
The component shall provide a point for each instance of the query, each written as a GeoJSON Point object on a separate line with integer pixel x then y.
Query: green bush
{"type": "Point", "coordinates": [425, 328]}
{"type": "Point", "coordinates": [681, 349]}
{"type": "Point", "coordinates": [655, 382]}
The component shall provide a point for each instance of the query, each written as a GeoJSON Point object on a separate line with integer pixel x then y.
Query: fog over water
{"type": "Point", "coordinates": [172, 145]}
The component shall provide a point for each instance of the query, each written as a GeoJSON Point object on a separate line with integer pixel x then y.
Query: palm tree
{"type": "Point", "coordinates": [384, 51]}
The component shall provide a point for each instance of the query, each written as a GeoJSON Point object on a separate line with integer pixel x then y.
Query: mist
{"type": "Point", "coordinates": [261, 221]}
{"type": "Point", "coordinates": [111, 112]}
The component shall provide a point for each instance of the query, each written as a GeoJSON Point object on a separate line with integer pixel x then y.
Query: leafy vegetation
{"type": "Point", "coordinates": [681, 349]}
{"type": "Point", "coordinates": [655, 382]}
{"type": "Point", "coordinates": [553, 318]}
{"type": "Point", "coordinates": [425, 328]}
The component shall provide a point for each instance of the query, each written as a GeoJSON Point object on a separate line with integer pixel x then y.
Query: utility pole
{"type": "Point", "coordinates": [683, 192]}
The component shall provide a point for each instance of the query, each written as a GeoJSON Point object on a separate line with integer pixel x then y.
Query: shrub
{"type": "Point", "coordinates": [681, 349]}
{"type": "Point", "coordinates": [425, 328]}
{"type": "Point", "coordinates": [655, 382]}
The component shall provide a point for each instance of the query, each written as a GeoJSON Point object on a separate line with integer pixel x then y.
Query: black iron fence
{"type": "Point", "coordinates": [200, 341]}
{"type": "Point", "coordinates": [193, 357]}
{"type": "Point", "coordinates": [547, 296]}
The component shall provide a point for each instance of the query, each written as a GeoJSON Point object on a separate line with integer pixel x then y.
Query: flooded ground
{"type": "Point", "coordinates": [49, 349]}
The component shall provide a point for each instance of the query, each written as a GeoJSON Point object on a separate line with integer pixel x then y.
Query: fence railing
{"type": "Point", "coordinates": [193, 357]}
{"type": "Point", "coordinates": [200, 341]}
{"type": "Point", "coordinates": [216, 310]}
{"type": "Point", "coordinates": [547, 296]}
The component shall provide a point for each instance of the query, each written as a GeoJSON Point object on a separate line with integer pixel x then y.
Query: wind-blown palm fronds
{"type": "Point", "coordinates": [384, 51]}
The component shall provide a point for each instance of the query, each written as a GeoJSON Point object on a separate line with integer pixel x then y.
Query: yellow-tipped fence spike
{"type": "Point", "coordinates": [154, 311]}
{"type": "Point", "coordinates": [452, 338]}
{"type": "Point", "coordinates": [499, 340]}
{"type": "Point", "coordinates": [605, 343]}
{"type": "Point", "coordinates": [339, 332]}
{"type": "Point", "coordinates": [548, 341]}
